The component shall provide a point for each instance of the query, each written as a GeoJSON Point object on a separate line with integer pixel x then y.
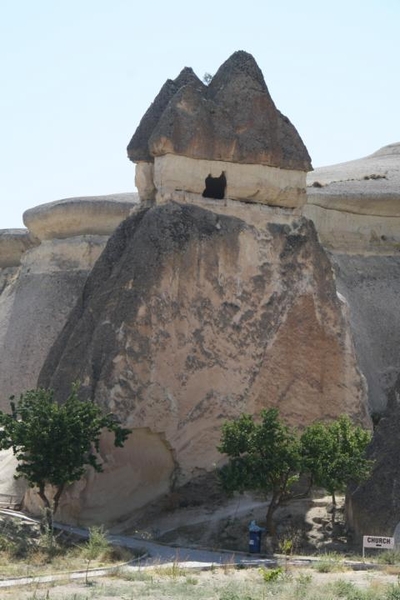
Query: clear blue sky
{"type": "Point", "coordinates": [77, 75]}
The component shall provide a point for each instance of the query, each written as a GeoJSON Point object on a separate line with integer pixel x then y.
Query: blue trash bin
{"type": "Point", "coordinates": [255, 542]}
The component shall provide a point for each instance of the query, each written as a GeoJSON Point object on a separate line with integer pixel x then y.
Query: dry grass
{"type": "Point", "coordinates": [25, 552]}
{"type": "Point", "coordinates": [244, 584]}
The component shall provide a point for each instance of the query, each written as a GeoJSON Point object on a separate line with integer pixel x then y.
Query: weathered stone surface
{"type": "Point", "coordinates": [89, 215]}
{"type": "Point", "coordinates": [138, 147]}
{"type": "Point", "coordinates": [133, 476]}
{"type": "Point", "coordinates": [356, 205]}
{"type": "Point", "coordinates": [252, 183]}
{"type": "Point", "coordinates": [13, 243]}
{"type": "Point", "coordinates": [371, 286]}
{"type": "Point", "coordinates": [356, 209]}
{"type": "Point", "coordinates": [144, 181]}
{"type": "Point", "coordinates": [35, 304]}
{"type": "Point", "coordinates": [11, 490]}
{"type": "Point", "coordinates": [191, 317]}
{"type": "Point", "coordinates": [357, 216]}
{"type": "Point", "coordinates": [374, 506]}
{"type": "Point", "coordinates": [233, 119]}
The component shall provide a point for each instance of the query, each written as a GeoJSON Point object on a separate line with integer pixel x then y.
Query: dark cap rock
{"type": "Point", "coordinates": [234, 119]}
{"type": "Point", "coordinates": [138, 147]}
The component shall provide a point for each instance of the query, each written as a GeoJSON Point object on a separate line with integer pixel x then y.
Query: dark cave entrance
{"type": "Point", "coordinates": [215, 187]}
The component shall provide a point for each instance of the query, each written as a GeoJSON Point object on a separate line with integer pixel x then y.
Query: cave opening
{"type": "Point", "coordinates": [215, 187]}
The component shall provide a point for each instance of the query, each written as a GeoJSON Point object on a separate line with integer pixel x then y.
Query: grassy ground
{"type": "Point", "coordinates": [175, 583]}
{"type": "Point", "coordinates": [25, 551]}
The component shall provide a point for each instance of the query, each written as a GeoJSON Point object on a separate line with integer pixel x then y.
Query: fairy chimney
{"type": "Point", "coordinates": [226, 140]}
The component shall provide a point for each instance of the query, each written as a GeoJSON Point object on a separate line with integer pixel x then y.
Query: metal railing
{"type": "Point", "coordinates": [10, 501]}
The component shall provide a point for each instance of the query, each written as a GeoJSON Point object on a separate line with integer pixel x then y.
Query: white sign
{"type": "Point", "coordinates": [378, 541]}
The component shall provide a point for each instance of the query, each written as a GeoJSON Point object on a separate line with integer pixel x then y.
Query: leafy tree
{"type": "Point", "coordinates": [334, 455]}
{"type": "Point", "coordinates": [268, 456]}
{"type": "Point", "coordinates": [54, 443]}
{"type": "Point", "coordinates": [263, 456]}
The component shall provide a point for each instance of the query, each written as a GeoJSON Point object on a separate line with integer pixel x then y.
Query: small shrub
{"type": "Point", "coordinates": [389, 557]}
{"type": "Point", "coordinates": [286, 546]}
{"type": "Point", "coordinates": [304, 579]}
{"type": "Point", "coordinates": [173, 571]}
{"type": "Point", "coordinates": [329, 563]}
{"type": "Point", "coordinates": [97, 544]}
{"type": "Point", "coordinates": [393, 592]}
{"type": "Point", "coordinates": [230, 593]}
{"type": "Point", "coordinates": [345, 589]}
{"type": "Point", "coordinates": [272, 575]}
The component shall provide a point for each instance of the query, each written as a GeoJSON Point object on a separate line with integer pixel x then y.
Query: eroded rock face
{"type": "Point", "coordinates": [89, 215]}
{"type": "Point", "coordinates": [13, 243]}
{"type": "Point", "coordinates": [356, 209]}
{"type": "Point", "coordinates": [35, 304]}
{"type": "Point", "coordinates": [191, 317]}
{"type": "Point", "coordinates": [371, 286]}
{"type": "Point", "coordinates": [356, 205]}
{"type": "Point", "coordinates": [133, 476]}
{"type": "Point", "coordinates": [373, 508]}
{"type": "Point", "coordinates": [38, 293]}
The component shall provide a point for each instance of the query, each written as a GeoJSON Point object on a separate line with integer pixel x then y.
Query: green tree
{"type": "Point", "coordinates": [54, 443]}
{"type": "Point", "coordinates": [263, 456]}
{"type": "Point", "coordinates": [334, 455]}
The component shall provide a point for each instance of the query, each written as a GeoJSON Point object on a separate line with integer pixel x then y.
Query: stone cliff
{"type": "Point", "coordinates": [356, 209]}
{"type": "Point", "coordinates": [42, 272]}
{"type": "Point", "coordinates": [192, 316]}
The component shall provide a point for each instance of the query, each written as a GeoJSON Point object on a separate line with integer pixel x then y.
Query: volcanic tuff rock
{"type": "Point", "coordinates": [232, 119]}
{"type": "Point", "coordinates": [13, 243]}
{"type": "Point", "coordinates": [38, 294]}
{"type": "Point", "coordinates": [193, 131]}
{"type": "Point", "coordinates": [191, 317]}
{"type": "Point", "coordinates": [373, 507]}
{"type": "Point", "coordinates": [356, 205]}
{"type": "Point", "coordinates": [356, 209]}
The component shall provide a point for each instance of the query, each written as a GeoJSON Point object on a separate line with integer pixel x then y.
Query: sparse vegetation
{"type": "Point", "coordinates": [248, 584]}
{"type": "Point", "coordinates": [328, 563]}
{"type": "Point", "coordinates": [26, 551]}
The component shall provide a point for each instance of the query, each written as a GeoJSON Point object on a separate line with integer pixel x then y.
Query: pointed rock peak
{"type": "Point", "coordinates": [234, 119]}
{"type": "Point", "coordinates": [138, 147]}
{"type": "Point", "coordinates": [240, 65]}
{"type": "Point", "coordinates": [186, 76]}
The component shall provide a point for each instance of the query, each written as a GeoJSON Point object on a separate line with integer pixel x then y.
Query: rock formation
{"type": "Point", "coordinates": [192, 316]}
{"type": "Point", "coordinates": [373, 508]}
{"type": "Point", "coordinates": [212, 299]}
{"type": "Point", "coordinates": [355, 205]}
{"type": "Point", "coordinates": [356, 209]}
{"type": "Point", "coordinates": [42, 272]}
{"type": "Point", "coordinates": [357, 215]}
{"type": "Point", "coordinates": [193, 134]}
